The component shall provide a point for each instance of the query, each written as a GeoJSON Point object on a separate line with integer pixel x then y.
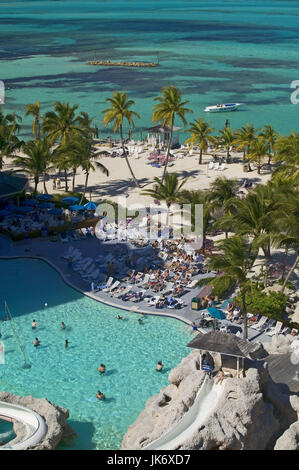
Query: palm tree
{"type": "Point", "coordinates": [287, 152]}
{"type": "Point", "coordinates": [34, 110]}
{"type": "Point", "coordinates": [222, 192]}
{"type": "Point", "coordinates": [169, 106]}
{"type": "Point", "coordinates": [259, 149]}
{"type": "Point", "coordinates": [245, 136]}
{"type": "Point", "coordinates": [227, 138]}
{"type": "Point", "coordinates": [9, 142]}
{"type": "Point", "coordinates": [85, 156]}
{"type": "Point", "coordinates": [36, 161]}
{"type": "Point", "coordinates": [167, 190]}
{"type": "Point", "coordinates": [63, 123]}
{"type": "Point", "coordinates": [200, 134]}
{"type": "Point", "coordinates": [269, 136]}
{"type": "Point", "coordinates": [199, 197]}
{"type": "Point", "coordinates": [118, 111]}
{"type": "Point", "coordinates": [288, 224]}
{"type": "Point", "coordinates": [235, 261]}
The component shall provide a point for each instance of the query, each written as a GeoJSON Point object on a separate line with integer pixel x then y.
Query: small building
{"type": "Point", "coordinates": [11, 185]}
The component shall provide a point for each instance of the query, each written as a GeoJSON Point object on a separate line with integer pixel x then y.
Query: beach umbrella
{"type": "Point", "coordinates": [45, 197]}
{"type": "Point", "coordinates": [76, 207]}
{"type": "Point", "coordinates": [46, 205]}
{"type": "Point", "coordinates": [55, 211]}
{"type": "Point", "coordinates": [4, 213]}
{"type": "Point", "coordinates": [70, 200]}
{"type": "Point", "coordinates": [216, 313]}
{"type": "Point", "coordinates": [24, 210]}
{"type": "Point", "coordinates": [10, 207]}
{"type": "Point", "coordinates": [90, 206]}
{"type": "Point", "coordinates": [29, 202]}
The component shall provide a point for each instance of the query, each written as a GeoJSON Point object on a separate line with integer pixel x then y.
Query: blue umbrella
{"type": "Point", "coordinates": [216, 313]}
{"type": "Point", "coordinates": [46, 205]}
{"type": "Point", "coordinates": [4, 213]}
{"type": "Point", "coordinates": [45, 197]}
{"type": "Point", "coordinates": [29, 202]}
{"type": "Point", "coordinates": [11, 207]}
{"type": "Point", "coordinates": [76, 207]}
{"type": "Point", "coordinates": [70, 200]}
{"type": "Point", "coordinates": [90, 206]}
{"type": "Point", "coordinates": [24, 209]}
{"type": "Point", "coordinates": [55, 211]}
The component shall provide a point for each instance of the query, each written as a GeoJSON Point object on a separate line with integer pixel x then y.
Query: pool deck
{"type": "Point", "coordinates": [53, 252]}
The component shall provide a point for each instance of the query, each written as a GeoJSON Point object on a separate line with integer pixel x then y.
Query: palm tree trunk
{"type": "Point", "coordinates": [286, 251]}
{"type": "Point", "coordinates": [127, 160]}
{"type": "Point", "coordinates": [245, 332]}
{"type": "Point", "coordinates": [45, 187]}
{"type": "Point", "coordinates": [200, 157]}
{"type": "Point", "coordinates": [168, 149]}
{"type": "Point", "coordinates": [74, 177]}
{"type": "Point", "coordinates": [36, 181]}
{"type": "Point", "coordinates": [65, 179]}
{"type": "Point", "coordinates": [290, 273]}
{"type": "Point", "coordinates": [227, 154]}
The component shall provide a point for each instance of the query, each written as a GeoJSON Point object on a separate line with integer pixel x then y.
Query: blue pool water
{"type": "Point", "coordinates": [69, 377]}
{"type": "Point", "coordinates": [215, 51]}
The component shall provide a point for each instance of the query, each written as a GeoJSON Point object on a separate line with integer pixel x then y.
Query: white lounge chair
{"type": "Point", "coordinates": [260, 323]}
{"type": "Point", "coordinates": [145, 280]}
{"type": "Point", "coordinates": [216, 166]}
{"type": "Point", "coordinates": [168, 288]}
{"type": "Point", "coordinates": [123, 292]}
{"type": "Point", "coordinates": [222, 167]}
{"type": "Point", "coordinates": [114, 286]}
{"type": "Point", "coordinates": [108, 284]}
{"type": "Point", "coordinates": [275, 330]}
{"type": "Point", "coordinates": [211, 166]}
{"type": "Point", "coordinates": [192, 284]}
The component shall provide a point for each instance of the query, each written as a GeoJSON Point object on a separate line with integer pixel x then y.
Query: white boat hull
{"type": "Point", "coordinates": [222, 108]}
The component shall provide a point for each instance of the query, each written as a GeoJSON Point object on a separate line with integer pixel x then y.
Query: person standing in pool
{"type": "Point", "coordinates": [102, 369]}
{"type": "Point", "coordinates": [100, 395]}
{"type": "Point", "coordinates": [159, 366]}
{"type": "Point", "coordinates": [66, 343]}
{"type": "Point", "coordinates": [36, 343]}
{"type": "Point", "coordinates": [63, 325]}
{"type": "Point", "coordinates": [33, 325]}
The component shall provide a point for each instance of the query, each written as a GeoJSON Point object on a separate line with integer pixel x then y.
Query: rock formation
{"type": "Point", "coordinates": [252, 412]}
{"type": "Point", "coordinates": [54, 416]}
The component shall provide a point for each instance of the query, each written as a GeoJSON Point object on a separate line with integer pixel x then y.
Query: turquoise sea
{"type": "Point", "coordinates": [214, 51]}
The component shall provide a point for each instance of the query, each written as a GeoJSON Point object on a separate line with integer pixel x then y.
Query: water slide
{"type": "Point", "coordinates": [35, 425]}
{"type": "Point", "coordinates": [204, 404]}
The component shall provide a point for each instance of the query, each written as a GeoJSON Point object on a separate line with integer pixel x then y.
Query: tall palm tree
{"type": "Point", "coordinates": [9, 142]}
{"type": "Point", "coordinates": [63, 123]}
{"type": "Point", "coordinates": [222, 192]}
{"type": "Point", "coordinates": [36, 161]}
{"type": "Point", "coordinates": [85, 155]}
{"type": "Point", "coordinates": [119, 111]}
{"type": "Point", "coordinates": [199, 197]}
{"type": "Point", "coordinates": [245, 136]}
{"type": "Point", "coordinates": [167, 190]}
{"type": "Point", "coordinates": [169, 106]}
{"type": "Point", "coordinates": [236, 259]}
{"type": "Point", "coordinates": [34, 110]}
{"type": "Point", "coordinates": [259, 149]}
{"type": "Point", "coordinates": [269, 135]}
{"type": "Point", "coordinates": [200, 134]}
{"type": "Point", "coordinates": [287, 152]}
{"type": "Point", "coordinates": [227, 138]}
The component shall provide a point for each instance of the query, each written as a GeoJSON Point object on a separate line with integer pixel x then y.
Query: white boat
{"type": "Point", "coordinates": [220, 108]}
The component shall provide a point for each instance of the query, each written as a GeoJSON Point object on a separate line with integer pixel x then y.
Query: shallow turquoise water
{"type": "Point", "coordinates": [216, 51]}
{"type": "Point", "coordinates": [69, 377]}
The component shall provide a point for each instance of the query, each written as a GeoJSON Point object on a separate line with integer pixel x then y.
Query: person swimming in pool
{"type": "Point", "coordinates": [36, 343]}
{"type": "Point", "coordinates": [139, 321]}
{"type": "Point", "coordinates": [159, 366]}
{"type": "Point", "coordinates": [66, 343]}
{"type": "Point", "coordinates": [33, 324]}
{"type": "Point", "coordinates": [100, 395]}
{"type": "Point", "coordinates": [119, 317]}
{"type": "Point", "coordinates": [63, 325]}
{"type": "Point", "coordinates": [102, 369]}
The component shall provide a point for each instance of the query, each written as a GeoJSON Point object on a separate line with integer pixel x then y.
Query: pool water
{"type": "Point", "coordinates": [6, 432]}
{"type": "Point", "coordinates": [68, 376]}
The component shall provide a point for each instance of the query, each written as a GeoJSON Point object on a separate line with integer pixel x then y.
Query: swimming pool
{"type": "Point", "coordinates": [68, 376]}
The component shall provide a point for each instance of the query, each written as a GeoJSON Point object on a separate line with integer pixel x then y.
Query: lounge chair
{"type": "Point", "coordinates": [211, 166]}
{"type": "Point", "coordinates": [153, 301]}
{"type": "Point", "coordinates": [144, 281]}
{"type": "Point", "coordinates": [216, 166]}
{"type": "Point", "coordinates": [260, 323]}
{"type": "Point", "coordinates": [192, 284]}
{"type": "Point", "coordinates": [222, 167]}
{"type": "Point", "coordinates": [168, 288]}
{"type": "Point", "coordinates": [139, 296]}
{"type": "Point", "coordinates": [285, 331]}
{"type": "Point", "coordinates": [267, 326]}
{"type": "Point", "coordinates": [107, 285]}
{"type": "Point", "coordinates": [275, 330]}
{"type": "Point", "coordinates": [123, 292]}
{"type": "Point", "coordinates": [114, 286]}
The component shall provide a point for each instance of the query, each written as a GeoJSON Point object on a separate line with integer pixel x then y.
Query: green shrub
{"type": "Point", "coordinates": [272, 304]}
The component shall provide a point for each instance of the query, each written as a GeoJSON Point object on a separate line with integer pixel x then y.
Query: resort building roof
{"type": "Point", "coordinates": [223, 343]}
{"type": "Point", "coordinates": [11, 184]}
